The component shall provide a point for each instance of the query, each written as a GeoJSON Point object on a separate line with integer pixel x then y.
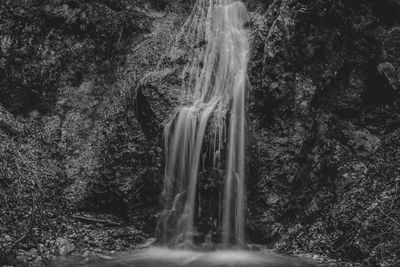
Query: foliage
{"type": "Point", "coordinates": [45, 44]}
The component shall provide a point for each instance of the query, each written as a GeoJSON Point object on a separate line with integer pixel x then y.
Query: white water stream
{"type": "Point", "coordinates": [214, 86]}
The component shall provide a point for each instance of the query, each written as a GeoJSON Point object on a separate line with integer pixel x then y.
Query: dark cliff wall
{"type": "Point", "coordinates": [87, 87]}
{"type": "Point", "coordinates": [323, 128]}
{"type": "Point", "coordinates": [69, 137]}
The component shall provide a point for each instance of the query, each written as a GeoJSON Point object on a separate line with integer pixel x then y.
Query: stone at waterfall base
{"type": "Point", "coordinates": [64, 247]}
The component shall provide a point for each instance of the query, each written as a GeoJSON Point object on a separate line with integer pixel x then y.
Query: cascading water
{"type": "Point", "coordinates": [214, 83]}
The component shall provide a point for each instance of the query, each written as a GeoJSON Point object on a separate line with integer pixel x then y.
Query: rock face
{"type": "Point", "coordinates": [323, 121]}
{"type": "Point", "coordinates": [322, 113]}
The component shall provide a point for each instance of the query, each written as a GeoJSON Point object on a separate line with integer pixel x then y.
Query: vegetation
{"type": "Point", "coordinates": [47, 50]}
{"type": "Point", "coordinates": [48, 44]}
{"type": "Point", "coordinates": [78, 162]}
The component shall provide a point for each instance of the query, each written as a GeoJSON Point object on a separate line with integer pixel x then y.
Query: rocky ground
{"type": "Point", "coordinates": [78, 147]}
{"type": "Point", "coordinates": [68, 236]}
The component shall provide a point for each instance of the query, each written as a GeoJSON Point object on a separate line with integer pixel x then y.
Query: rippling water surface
{"type": "Point", "coordinates": [163, 257]}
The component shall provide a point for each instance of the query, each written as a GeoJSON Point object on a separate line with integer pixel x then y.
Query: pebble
{"type": "Point", "coordinates": [22, 258]}
{"type": "Point", "coordinates": [41, 248]}
{"type": "Point", "coordinates": [21, 251]}
{"type": "Point", "coordinates": [33, 252]}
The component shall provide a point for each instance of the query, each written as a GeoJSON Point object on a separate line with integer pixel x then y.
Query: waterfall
{"type": "Point", "coordinates": [214, 84]}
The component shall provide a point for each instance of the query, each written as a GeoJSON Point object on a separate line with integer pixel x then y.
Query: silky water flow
{"type": "Point", "coordinates": [210, 122]}
{"type": "Point", "coordinates": [214, 85]}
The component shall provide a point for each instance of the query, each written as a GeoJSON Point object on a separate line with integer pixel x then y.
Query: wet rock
{"type": "Point", "coordinates": [64, 247]}
{"type": "Point", "coordinates": [273, 199]}
{"type": "Point", "coordinates": [276, 229]}
{"type": "Point", "coordinates": [254, 247]}
{"type": "Point", "coordinates": [388, 72]}
{"type": "Point", "coordinates": [208, 244]}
